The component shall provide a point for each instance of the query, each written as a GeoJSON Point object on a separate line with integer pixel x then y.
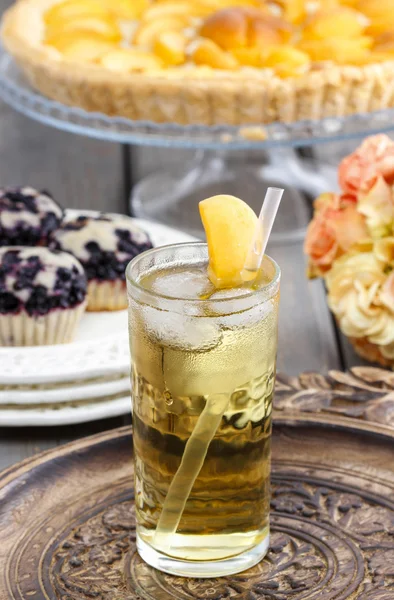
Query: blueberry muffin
{"type": "Point", "coordinates": [27, 217]}
{"type": "Point", "coordinates": [104, 244]}
{"type": "Point", "coordinates": [42, 296]}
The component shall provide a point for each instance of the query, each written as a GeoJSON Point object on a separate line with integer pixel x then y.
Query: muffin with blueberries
{"type": "Point", "coordinates": [104, 244]}
{"type": "Point", "coordinates": [27, 217]}
{"type": "Point", "coordinates": [42, 296]}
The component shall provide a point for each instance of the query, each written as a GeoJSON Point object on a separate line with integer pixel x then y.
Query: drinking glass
{"type": "Point", "coordinates": [203, 375]}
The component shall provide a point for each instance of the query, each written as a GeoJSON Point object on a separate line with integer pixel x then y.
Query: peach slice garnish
{"type": "Point", "coordinates": [87, 48]}
{"type": "Point", "coordinates": [130, 59]}
{"type": "Point", "coordinates": [374, 8]}
{"type": "Point", "coordinates": [350, 3]}
{"type": "Point", "coordinates": [287, 61]}
{"type": "Point", "coordinates": [147, 32]}
{"type": "Point", "coordinates": [250, 57]}
{"type": "Point", "coordinates": [210, 54]}
{"type": "Point", "coordinates": [106, 28]}
{"type": "Point", "coordinates": [381, 25]}
{"type": "Point", "coordinates": [71, 9]}
{"type": "Point", "coordinates": [237, 27]}
{"type": "Point", "coordinates": [342, 51]}
{"type": "Point", "coordinates": [173, 9]}
{"type": "Point", "coordinates": [384, 42]}
{"type": "Point", "coordinates": [219, 4]}
{"type": "Point", "coordinates": [170, 47]}
{"type": "Point", "coordinates": [229, 225]}
{"type": "Point", "coordinates": [228, 28]}
{"type": "Point", "coordinates": [293, 11]}
{"type": "Point", "coordinates": [127, 9]}
{"type": "Point", "coordinates": [337, 23]}
{"type": "Point", "coordinates": [264, 30]}
{"type": "Point", "coordinates": [380, 13]}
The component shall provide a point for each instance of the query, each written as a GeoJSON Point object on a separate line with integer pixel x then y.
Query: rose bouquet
{"type": "Point", "coordinates": [350, 243]}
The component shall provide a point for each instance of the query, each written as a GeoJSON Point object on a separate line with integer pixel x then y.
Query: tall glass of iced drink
{"type": "Point", "coordinates": [203, 373]}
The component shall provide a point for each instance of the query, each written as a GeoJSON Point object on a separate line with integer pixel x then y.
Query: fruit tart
{"type": "Point", "coordinates": [233, 62]}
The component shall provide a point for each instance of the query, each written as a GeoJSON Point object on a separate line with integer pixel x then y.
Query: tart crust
{"type": "Point", "coordinates": [186, 96]}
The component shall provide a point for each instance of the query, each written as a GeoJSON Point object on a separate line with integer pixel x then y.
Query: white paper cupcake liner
{"type": "Point", "coordinates": [107, 295]}
{"type": "Point", "coordinates": [57, 327]}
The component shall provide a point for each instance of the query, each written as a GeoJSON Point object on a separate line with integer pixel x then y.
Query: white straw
{"type": "Point", "coordinates": [263, 230]}
{"type": "Point", "coordinates": [191, 464]}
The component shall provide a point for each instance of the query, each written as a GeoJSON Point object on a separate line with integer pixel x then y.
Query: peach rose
{"type": "Point", "coordinates": [360, 170]}
{"type": "Point", "coordinates": [320, 245]}
{"type": "Point", "coordinates": [384, 250]}
{"type": "Point", "coordinates": [327, 200]}
{"type": "Point", "coordinates": [331, 233]}
{"type": "Point", "coordinates": [377, 205]}
{"type": "Point", "coordinates": [334, 201]}
{"type": "Point", "coordinates": [387, 293]}
{"type": "Point", "coordinates": [361, 296]}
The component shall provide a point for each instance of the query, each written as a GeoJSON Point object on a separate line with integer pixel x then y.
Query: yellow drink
{"type": "Point", "coordinates": [203, 372]}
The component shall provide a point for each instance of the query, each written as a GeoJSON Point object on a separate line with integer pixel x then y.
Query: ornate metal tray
{"type": "Point", "coordinates": [67, 517]}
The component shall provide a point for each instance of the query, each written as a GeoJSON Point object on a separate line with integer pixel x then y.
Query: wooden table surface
{"type": "Point", "coordinates": [85, 173]}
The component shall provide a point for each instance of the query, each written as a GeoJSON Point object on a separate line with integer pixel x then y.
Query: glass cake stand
{"type": "Point", "coordinates": [237, 160]}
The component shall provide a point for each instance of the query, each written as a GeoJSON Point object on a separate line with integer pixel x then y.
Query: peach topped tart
{"type": "Point", "coordinates": [233, 62]}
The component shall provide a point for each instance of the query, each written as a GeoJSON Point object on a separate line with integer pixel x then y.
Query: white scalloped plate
{"type": "Point", "coordinates": [83, 392]}
{"type": "Point", "coordinates": [101, 346]}
{"type": "Point", "coordinates": [64, 415]}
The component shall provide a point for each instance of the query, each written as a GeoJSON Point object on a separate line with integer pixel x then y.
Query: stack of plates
{"type": "Point", "coordinates": [78, 382]}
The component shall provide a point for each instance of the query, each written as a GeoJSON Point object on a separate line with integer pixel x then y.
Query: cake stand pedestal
{"type": "Point", "coordinates": [172, 192]}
